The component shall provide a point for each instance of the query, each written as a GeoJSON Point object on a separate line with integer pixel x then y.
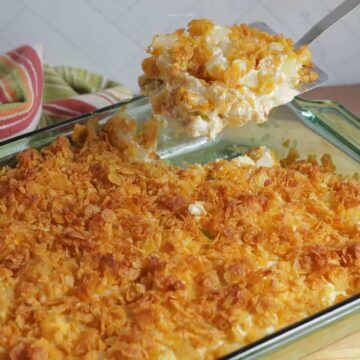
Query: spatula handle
{"type": "Point", "coordinates": [328, 20]}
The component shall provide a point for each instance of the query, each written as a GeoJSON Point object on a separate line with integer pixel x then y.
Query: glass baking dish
{"type": "Point", "coordinates": [313, 127]}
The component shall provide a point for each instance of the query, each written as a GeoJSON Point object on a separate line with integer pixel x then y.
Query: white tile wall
{"type": "Point", "coordinates": [13, 8]}
{"type": "Point", "coordinates": [109, 36]}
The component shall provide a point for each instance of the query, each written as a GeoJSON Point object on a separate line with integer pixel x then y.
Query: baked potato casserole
{"type": "Point", "coordinates": [107, 252]}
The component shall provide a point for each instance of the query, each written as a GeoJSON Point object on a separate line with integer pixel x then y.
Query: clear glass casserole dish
{"type": "Point", "coordinates": [313, 128]}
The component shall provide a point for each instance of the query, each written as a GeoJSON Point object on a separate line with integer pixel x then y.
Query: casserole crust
{"type": "Point", "coordinates": [106, 257]}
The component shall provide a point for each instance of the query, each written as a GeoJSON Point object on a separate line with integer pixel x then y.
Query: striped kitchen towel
{"type": "Point", "coordinates": [70, 91]}
{"type": "Point", "coordinates": [21, 85]}
{"type": "Point", "coordinates": [33, 95]}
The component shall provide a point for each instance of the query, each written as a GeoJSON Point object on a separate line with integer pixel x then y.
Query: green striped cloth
{"type": "Point", "coordinates": [67, 81]}
{"type": "Point", "coordinates": [70, 91]}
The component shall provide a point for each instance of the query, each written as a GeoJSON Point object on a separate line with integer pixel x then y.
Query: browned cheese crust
{"type": "Point", "coordinates": [102, 258]}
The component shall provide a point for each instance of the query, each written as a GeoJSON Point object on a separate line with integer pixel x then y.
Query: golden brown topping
{"type": "Point", "coordinates": [102, 257]}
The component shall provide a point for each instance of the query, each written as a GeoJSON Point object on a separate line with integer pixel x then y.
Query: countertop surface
{"type": "Point", "coordinates": [347, 348]}
{"type": "Point", "coordinates": [349, 96]}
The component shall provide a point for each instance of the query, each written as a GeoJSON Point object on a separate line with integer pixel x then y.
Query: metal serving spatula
{"type": "Point", "coordinates": [328, 20]}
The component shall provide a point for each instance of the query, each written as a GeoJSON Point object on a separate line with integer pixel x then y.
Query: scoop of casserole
{"type": "Point", "coordinates": [209, 76]}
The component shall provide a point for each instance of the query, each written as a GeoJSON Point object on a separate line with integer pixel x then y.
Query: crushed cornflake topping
{"type": "Point", "coordinates": [104, 255]}
{"type": "Point", "coordinates": [209, 76]}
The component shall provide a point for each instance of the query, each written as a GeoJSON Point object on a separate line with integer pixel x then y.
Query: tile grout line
{"type": "Point", "coordinates": [132, 59]}
{"type": "Point", "coordinates": [238, 19]}
{"type": "Point", "coordinates": [274, 15]}
{"type": "Point", "coordinates": [3, 26]}
{"type": "Point", "coordinates": [116, 21]}
{"type": "Point", "coordinates": [125, 12]}
{"type": "Point", "coordinates": [113, 22]}
{"type": "Point", "coordinates": [65, 37]}
{"type": "Point", "coordinates": [130, 35]}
